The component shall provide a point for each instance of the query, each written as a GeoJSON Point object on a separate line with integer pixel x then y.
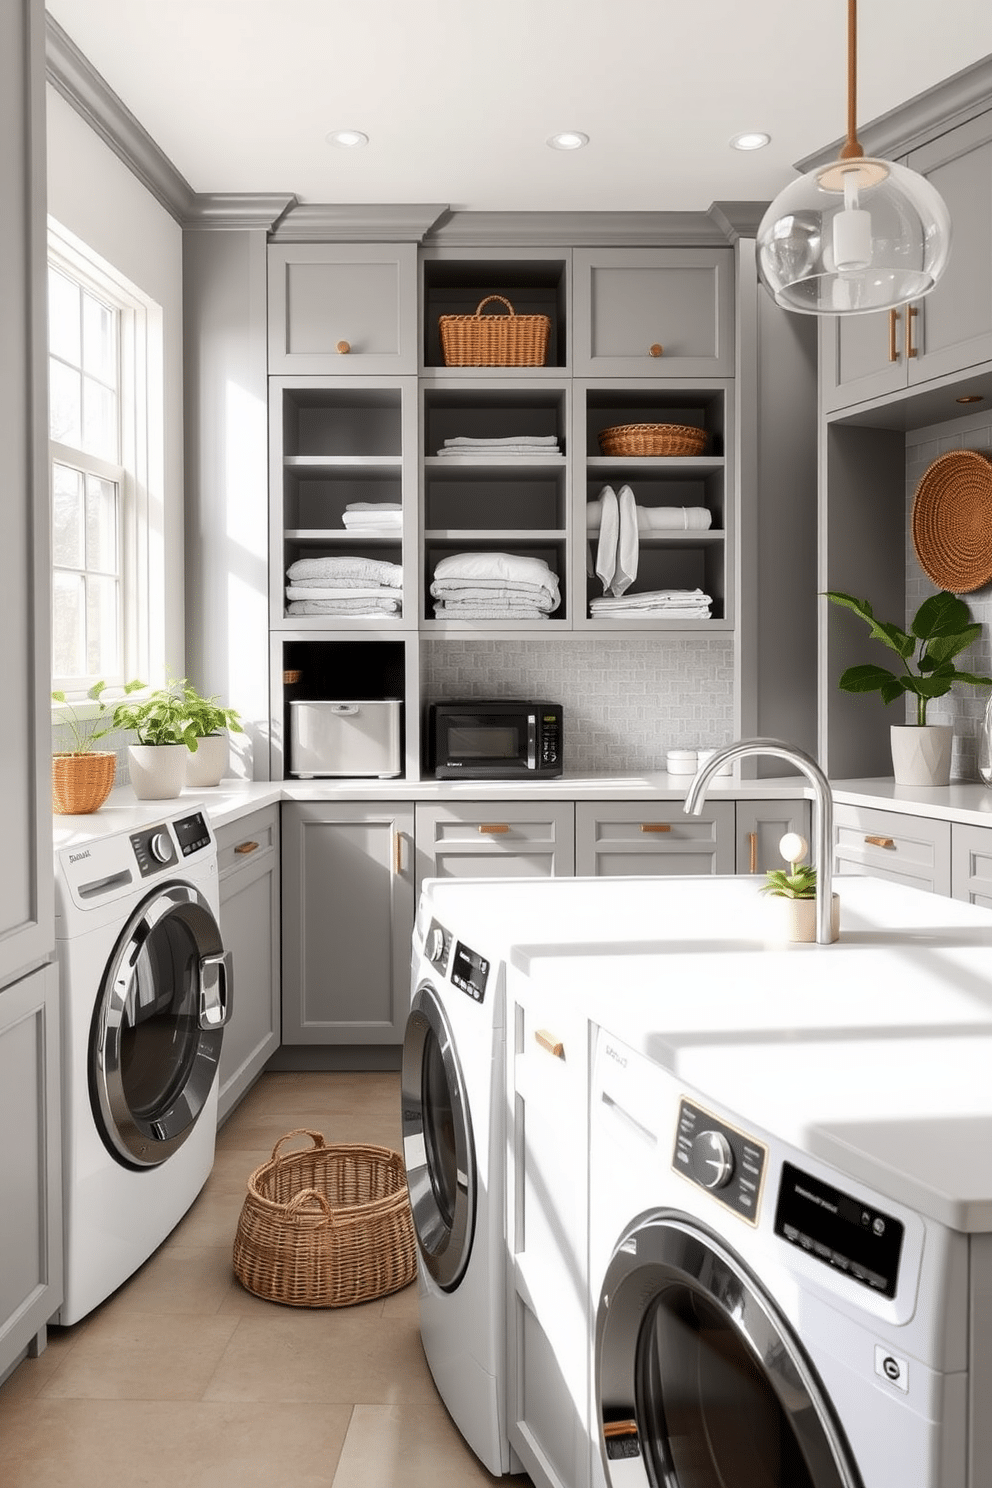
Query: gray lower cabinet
{"type": "Point", "coordinates": [30, 1160]}
{"type": "Point", "coordinates": [761, 825]}
{"type": "Point", "coordinates": [662, 311]}
{"type": "Point", "coordinates": [971, 864]}
{"type": "Point", "coordinates": [348, 908]}
{"type": "Point", "coordinates": [645, 837]}
{"type": "Point", "coordinates": [249, 871]}
{"type": "Point", "coordinates": [343, 308]}
{"type": "Point", "coordinates": [911, 850]}
{"type": "Point", "coordinates": [499, 839]}
{"type": "Point", "coordinates": [950, 330]}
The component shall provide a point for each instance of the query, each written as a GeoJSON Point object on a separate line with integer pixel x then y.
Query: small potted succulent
{"type": "Point", "coordinates": [940, 630]}
{"type": "Point", "coordinates": [83, 776]}
{"type": "Point", "coordinates": [212, 723]}
{"type": "Point", "coordinates": [794, 893]}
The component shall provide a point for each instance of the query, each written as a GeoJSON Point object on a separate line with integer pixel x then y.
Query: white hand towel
{"type": "Point", "coordinates": [609, 531]}
{"type": "Point", "coordinates": [627, 542]}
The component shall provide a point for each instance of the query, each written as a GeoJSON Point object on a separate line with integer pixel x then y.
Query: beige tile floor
{"type": "Point", "coordinates": [183, 1379]}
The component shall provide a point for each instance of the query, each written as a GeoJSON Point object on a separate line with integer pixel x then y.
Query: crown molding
{"type": "Point", "coordinates": [582, 229]}
{"type": "Point", "coordinates": [336, 222]}
{"type": "Point", "coordinates": [913, 123]}
{"type": "Point", "coordinates": [232, 209]}
{"type": "Point", "coordinates": [738, 219]}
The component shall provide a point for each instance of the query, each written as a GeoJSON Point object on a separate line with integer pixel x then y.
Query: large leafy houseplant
{"type": "Point", "coordinates": [160, 718]}
{"type": "Point", "coordinates": [940, 630]}
{"type": "Point", "coordinates": [207, 715]}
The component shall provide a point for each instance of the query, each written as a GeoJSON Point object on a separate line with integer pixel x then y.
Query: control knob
{"type": "Point", "coordinates": [711, 1159]}
{"type": "Point", "coordinates": [160, 847]}
{"type": "Point", "coordinates": [435, 944]}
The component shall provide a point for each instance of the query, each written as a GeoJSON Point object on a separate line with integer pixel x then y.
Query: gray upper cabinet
{"type": "Point", "coordinates": [870, 356]}
{"type": "Point", "coordinates": [343, 308]}
{"type": "Point", "coordinates": [653, 311]}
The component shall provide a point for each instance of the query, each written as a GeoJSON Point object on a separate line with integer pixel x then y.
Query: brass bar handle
{"type": "Point", "coordinates": [893, 350]}
{"type": "Point", "coordinates": [880, 841]}
{"type": "Point", "coordinates": [493, 828]}
{"type": "Point", "coordinates": [343, 348]}
{"type": "Point", "coordinates": [397, 853]}
{"type": "Point", "coordinates": [656, 826]}
{"type": "Point", "coordinates": [655, 350]}
{"type": "Point", "coordinates": [548, 1041]}
{"type": "Point", "coordinates": [911, 314]}
{"type": "Point", "coordinates": [752, 846]}
{"type": "Point", "coordinates": [246, 847]}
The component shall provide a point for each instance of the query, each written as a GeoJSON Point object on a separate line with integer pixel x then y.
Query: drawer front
{"type": "Point", "coordinates": [912, 850]}
{"type": "Point", "coordinates": [653, 838]}
{"type": "Point", "coordinates": [247, 842]}
{"type": "Point", "coordinates": [499, 840]}
{"type": "Point", "coordinates": [971, 864]}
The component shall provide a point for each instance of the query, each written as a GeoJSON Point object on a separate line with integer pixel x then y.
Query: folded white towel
{"type": "Point", "coordinates": [609, 531]}
{"type": "Point", "coordinates": [464, 441]}
{"type": "Point", "coordinates": [316, 591]}
{"type": "Point", "coordinates": [337, 569]}
{"type": "Point", "coordinates": [515, 594]}
{"type": "Point", "coordinates": [657, 518]}
{"type": "Point", "coordinates": [484, 611]}
{"type": "Point", "coordinates": [625, 571]}
{"type": "Point", "coordinates": [503, 451]}
{"type": "Point", "coordinates": [374, 506]}
{"type": "Point", "coordinates": [512, 567]}
{"type": "Point", "coordinates": [344, 607]}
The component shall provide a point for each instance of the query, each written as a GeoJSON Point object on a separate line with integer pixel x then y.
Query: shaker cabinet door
{"type": "Point", "coordinates": [343, 309]}
{"type": "Point", "coordinates": [667, 312]}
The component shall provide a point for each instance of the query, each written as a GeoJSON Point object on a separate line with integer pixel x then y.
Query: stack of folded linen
{"type": "Point", "coordinates": [494, 586]}
{"type": "Point", "coordinates": [373, 518]}
{"type": "Point", "coordinates": [665, 604]}
{"type": "Point", "coordinates": [656, 518]}
{"type": "Point", "coordinates": [532, 445]}
{"type": "Point", "coordinates": [344, 586]}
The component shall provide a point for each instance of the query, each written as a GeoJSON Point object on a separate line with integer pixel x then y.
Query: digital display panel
{"type": "Point", "coordinates": [838, 1230]}
{"type": "Point", "coordinates": [191, 833]}
{"type": "Point", "coordinates": [469, 971]}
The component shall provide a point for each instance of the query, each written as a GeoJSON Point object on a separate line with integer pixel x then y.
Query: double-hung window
{"type": "Point", "coordinates": [103, 337]}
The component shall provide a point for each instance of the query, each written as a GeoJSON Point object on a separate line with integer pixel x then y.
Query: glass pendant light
{"type": "Point", "coordinates": [856, 235]}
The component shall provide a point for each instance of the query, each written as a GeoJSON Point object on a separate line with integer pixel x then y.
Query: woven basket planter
{"type": "Point", "coordinates": [952, 521]}
{"type": "Point", "coordinates": [327, 1226]}
{"type": "Point", "coordinates": [479, 340]}
{"type": "Point", "coordinates": [652, 439]}
{"type": "Point", "coordinates": [81, 782]}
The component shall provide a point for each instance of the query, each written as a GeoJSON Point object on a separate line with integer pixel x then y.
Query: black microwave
{"type": "Point", "coordinates": [494, 741]}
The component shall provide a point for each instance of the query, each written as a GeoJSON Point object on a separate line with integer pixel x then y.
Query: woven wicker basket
{"type": "Point", "coordinates": [952, 521]}
{"type": "Point", "coordinates": [652, 439]}
{"type": "Point", "coordinates": [479, 340]}
{"type": "Point", "coordinates": [81, 782]}
{"type": "Point", "coordinates": [326, 1226]}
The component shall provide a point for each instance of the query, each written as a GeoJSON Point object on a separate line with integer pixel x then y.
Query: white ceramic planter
{"type": "Point", "coordinates": [158, 771]}
{"type": "Point", "coordinates": [921, 755]}
{"type": "Point", "coordinates": [795, 919]}
{"type": "Point", "coordinates": [208, 764]}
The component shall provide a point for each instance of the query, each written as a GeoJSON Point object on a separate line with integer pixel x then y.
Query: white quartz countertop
{"type": "Point", "coordinates": [874, 1054]}
{"type": "Point", "coordinates": [962, 801]}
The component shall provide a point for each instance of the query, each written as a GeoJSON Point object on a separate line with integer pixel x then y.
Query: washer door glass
{"type": "Point", "coordinates": [158, 1026]}
{"type": "Point", "coordinates": [438, 1148]}
{"type": "Point", "coordinates": [699, 1381]}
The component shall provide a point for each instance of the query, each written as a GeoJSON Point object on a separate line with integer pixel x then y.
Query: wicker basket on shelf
{"type": "Point", "coordinates": [327, 1226]}
{"type": "Point", "coordinates": [509, 340]}
{"type": "Point", "coordinates": [652, 439]}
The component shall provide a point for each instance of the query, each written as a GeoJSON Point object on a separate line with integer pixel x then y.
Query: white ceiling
{"type": "Point", "coordinates": [458, 97]}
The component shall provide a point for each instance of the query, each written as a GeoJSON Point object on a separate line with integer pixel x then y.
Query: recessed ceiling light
{"type": "Point", "coordinates": [348, 139]}
{"type": "Point", "coordinates": [568, 139]}
{"type": "Point", "coordinates": [752, 140]}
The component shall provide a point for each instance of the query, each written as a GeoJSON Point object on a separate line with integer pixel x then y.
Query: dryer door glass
{"type": "Point", "coordinates": [438, 1146]}
{"type": "Point", "coordinates": [158, 1026]}
{"type": "Point", "coordinates": [699, 1381]}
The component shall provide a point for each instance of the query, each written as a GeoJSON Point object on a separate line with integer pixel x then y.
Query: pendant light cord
{"type": "Point", "coordinates": [852, 149]}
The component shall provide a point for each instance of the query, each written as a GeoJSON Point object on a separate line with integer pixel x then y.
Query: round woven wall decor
{"type": "Point", "coordinates": [952, 521]}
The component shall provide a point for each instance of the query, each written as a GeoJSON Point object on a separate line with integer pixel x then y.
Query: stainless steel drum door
{"type": "Point", "coordinates": [437, 1142]}
{"type": "Point", "coordinates": [699, 1381]}
{"type": "Point", "coordinates": [157, 1026]}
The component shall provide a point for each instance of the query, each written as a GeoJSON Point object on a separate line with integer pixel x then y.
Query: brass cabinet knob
{"type": "Point", "coordinates": [655, 350]}
{"type": "Point", "coordinates": [343, 347]}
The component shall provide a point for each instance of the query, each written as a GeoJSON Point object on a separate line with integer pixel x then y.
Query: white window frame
{"type": "Point", "coordinates": [141, 473]}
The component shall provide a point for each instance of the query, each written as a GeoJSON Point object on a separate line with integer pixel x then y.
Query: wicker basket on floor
{"type": "Point", "coordinates": [509, 340]}
{"type": "Point", "coordinates": [327, 1226]}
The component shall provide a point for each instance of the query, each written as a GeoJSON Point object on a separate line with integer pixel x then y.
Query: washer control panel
{"type": "Point", "coordinates": [192, 833]}
{"type": "Point", "coordinates": [718, 1157]}
{"type": "Point", "coordinates": [437, 945]}
{"type": "Point", "coordinates": [469, 972]}
{"type": "Point", "coordinates": [153, 849]}
{"type": "Point", "coordinates": [839, 1230]}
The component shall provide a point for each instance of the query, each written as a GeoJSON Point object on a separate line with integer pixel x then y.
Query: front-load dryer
{"type": "Point", "coordinates": [760, 1316]}
{"type": "Point", "coordinates": [145, 991]}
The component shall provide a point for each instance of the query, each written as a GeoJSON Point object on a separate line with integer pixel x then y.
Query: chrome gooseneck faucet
{"type": "Point", "coordinates": [823, 810]}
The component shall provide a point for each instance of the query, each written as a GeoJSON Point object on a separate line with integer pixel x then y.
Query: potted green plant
{"type": "Point", "coordinates": [940, 630]}
{"type": "Point", "coordinates": [796, 889]}
{"type": "Point", "coordinates": [83, 776]}
{"type": "Point", "coordinates": [212, 723]}
{"type": "Point", "coordinates": [164, 735]}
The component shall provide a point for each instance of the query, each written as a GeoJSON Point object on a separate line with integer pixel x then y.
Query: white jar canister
{"type": "Point", "coordinates": [702, 755]}
{"type": "Point", "coordinates": [681, 761]}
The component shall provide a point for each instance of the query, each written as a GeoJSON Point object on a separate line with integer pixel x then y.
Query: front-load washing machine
{"type": "Point", "coordinates": [145, 986]}
{"type": "Point", "coordinates": [763, 1317]}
